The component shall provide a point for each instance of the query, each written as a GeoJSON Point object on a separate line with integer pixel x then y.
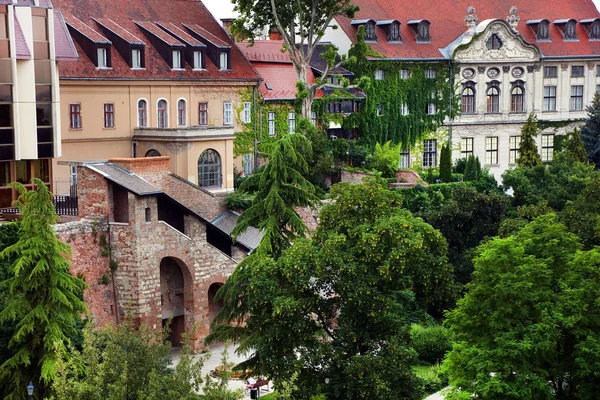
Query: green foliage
{"type": "Point", "coordinates": [575, 146]}
{"type": "Point", "coordinates": [446, 164]}
{"type": "Point", "coordinates": [430, 342]}
{"type": "Point", "coordinates": [472, 169]}
{"type": "Point", "coordinates": [357, 154]}
{"type": "Point", "coordinates": [113, 265]}
{"type": "Point", "coordinates": [432, 376]}
{"type": "Point", "coordinates": [555, 183]}
{"type": "Point", "coordinates": [590, 133]}
{"type": "Point", "coordinates": [582, 216]}
{"type": "Point", "coordinates": [44, 300]}
{"type": "Point", "coordinates": [526, 328]}
{"type": "Point", "coordinates": [385, 159]}
{"type": "Point", "coordinates": [220, 390]}
{"type": "Point", "coordinates": [460, 165]}
{"type": "Point", "coordinates": [528, 151]}
{"type": "Point", "coordinates": [281, 187]}
{"type": "Point", "coordinates": [104, 279]}
{"type": "Point", "coordinates": [238, 200]}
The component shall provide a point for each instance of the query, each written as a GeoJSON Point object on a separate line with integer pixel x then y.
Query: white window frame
{"type": "Point", "coordinates": [271, 123]}
{"type": "Point", "coordinates": [405, 73]}
{"type": "Point", "coordinates": [576, 99]}
{"type": "Point", "coordinates": [379, 109]}
{"type": "Point", "coordinates": [137, 106]}
{"type": "Point", "coordinates": [379, 75]}
{"type": "Point", "coordinates": [403, 109]}
{"type": "Point", "coordinates": [227, 113]}
{"type": "Point", "coordinates": [430, 73]}
{"type": "Point", "coordinates": [102, 54]}
{"type": "Point", "coordinates": [549, 102]}
{"type": "Point", "coordinates": [514, 149]}
{"type": "Point", "coordinates": [166, 119]}
{"type": "Point", "coordinates": [404, 159]}
{"type": "Point", "coordinates": [223, 61]}
{"type": "Point", "coordinates": [547, 147]}
{"type": "Point", "coordinates": [197, 55]}
{"type": "Point", "coordinates": [431, 109]}
{"type": "Point", "coordinates": [491, 150]}
{"type": "Point", "coordinates": [176, 55]}
{"type": "Point", "coordinates": [291, 122]}
{"type": "Point", "coordinates": [429, 153]}
{"type": "Point", "coordinates": [313, 118]}
{"type": "Point", "coordinates": [182, 121]}
{"type": "Point", "coordinates": [136, 58]}
{"type": "Point", "coordinates": [247, 113]}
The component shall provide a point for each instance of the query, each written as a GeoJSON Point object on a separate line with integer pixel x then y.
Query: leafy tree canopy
{"type": "Point", "coordinates": [527, 328]}
{"type": "Point", "coordinates": [590, 133]}
{"type": "Point", "coordinates": [575, 146]}
{"type": "Point", "coordinates": [582, 216]}
{"type": "Point", "coordinates": [528, 151]}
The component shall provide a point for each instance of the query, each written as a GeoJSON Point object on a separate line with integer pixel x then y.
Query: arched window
{"type": "Point", "coordinates": [162, 114]}
{"type": "Point", "coordinates": [468, 99]}
{"type": "Point", "coordinates": [394, 35]}
{"type": "Point", "coordinates": [181, 118]}
{"type": "Point", "coordinates": [493, 99]}
{"type": "Point", "coordinates": [543, 30]}
{"type": "Point", "coordinates": [142, 113]}
{"type": "Point", "coordinates": [517, 99]}
{"type": "Point", "coordinates": [209, 169]}
{"type": "Point", "coordinates": [370, 31]}
{"type": "Point", "coordinates": [423, 32]}
{"type": "Point", "coordinates": [570, 32]}
{"type": "Point", "coordinates": [494, 42]}
{"type": "Point", "coordinates": [595, 31]}
{"type": "Point", "coordinates": [152, 153]}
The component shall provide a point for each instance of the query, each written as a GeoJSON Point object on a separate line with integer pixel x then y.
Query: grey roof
{"type": "Point", "coordinates": [128, 180]}
{"type": "Point", "coordinates": [387, 22]}
{"type": "Point", "coordinates": [588, 21]}
{"type": "Point", "coordinates": [225, 222]}
{"type": "Point", "coordinates": [562, 21]}
{"type": "Point", "coordinates": [318, 64]}
{"type": "Point", "coordinates": [360, 21]}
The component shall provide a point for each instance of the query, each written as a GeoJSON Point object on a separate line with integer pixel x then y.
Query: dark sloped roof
{"type": "Point", "coordinates": [119, 30]}
{"type": "Point", "coordinates": [319, 64]}
{"type": "Point", "coordinates": [126, 179]}
{"type": "Point", "coordinates": [225, 222]}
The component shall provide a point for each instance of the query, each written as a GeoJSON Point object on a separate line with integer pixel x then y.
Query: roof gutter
{"type": "Point", "coordinates": [590, 56]}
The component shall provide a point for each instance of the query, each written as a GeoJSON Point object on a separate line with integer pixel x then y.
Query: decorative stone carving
{"type": "Point", "coordinates": [518, 72]}
{"type": "Point", "coordinates": [505, 68]}
{"type": "Point", "coordinates": [513, 19]}
{"type": "Point", "coordinates": [493, 73]}
{"type": "Point", "coordinates": [530, 68]}
{"type": "Point", "coordinates": [591, 65]}
{"type": "Point", "coordinates": [471, 19]}
{"type": "Point", "coordinates": [481, 69]}
{"type": "Point", "coordinates": [564, 67]}
{"type": "Point", "coordinates": [468, 73]}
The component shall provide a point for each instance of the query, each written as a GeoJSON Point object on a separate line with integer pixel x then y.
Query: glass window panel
{"type": "Point", "coordinates": [43, 114]}
{"type": "Point", "coordinates": [40, 31]}
{"type": "Point", "coordinates": [44, 135]}
{"type": "Point", "coordinates": [4, 49]}
{"type": "Point", "coordinates": [23, 171]}
{"type": "Point", "coordinates": [41, 51]}
{"type": "Point", "coordinates": [5, 93]}
{"type": "Point", "coordinates": [5, 71]}
{"type": "Point", "coordinates": [42, 71]}
{"type": "Point", "coordinates": [4, 173]}
{"type": "Point", "coordinates": [5, 115]}
{"type": "Point", "coordinates": [3, 27]}
{"type": "Point", "coordinates": [43, 93]}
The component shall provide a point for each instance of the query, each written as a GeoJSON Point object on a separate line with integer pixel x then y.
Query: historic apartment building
{"type": "Point", "coordinates": [33, 38]}
{"type": "Point", "coordinates": [506, 60]}
{"type": "Point", "coordinates": [153, 78]}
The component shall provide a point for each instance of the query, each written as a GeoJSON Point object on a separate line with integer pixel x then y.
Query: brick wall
{"type": "Point", "coordinates": [354, 177]}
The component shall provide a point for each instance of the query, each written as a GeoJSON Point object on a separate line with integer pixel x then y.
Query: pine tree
{"type": "Point", "coordinates": [445, 164]}
{"type": "Point", "coordinates": [44, 300]}
{"type": "Point", "coordinates": [469, 165]}
{"type": "Point", "coordinates": [575, 146]}
{"type": "Point", "coordinates": [529, 155]}
{"type": "Point", "coordinates": [590, 134]}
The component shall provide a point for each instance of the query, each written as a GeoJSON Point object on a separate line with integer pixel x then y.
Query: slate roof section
{"type": "Point", "coordinates": [447, 24]}
{"type": "Point", "coordinates": [318, 64]}
{"type": "Point", "coordinates": [225, 222]}
{"type": "Point", "coordinates": [64, 48]}
{"type": "Point", "coordinates": [126, 179]}
{"type": "Point", "coordinates": [23, 52]}
{"type": "Point", "coordinates": [178, 12]}
{"type": "Point", "coordinates": [119, 30]}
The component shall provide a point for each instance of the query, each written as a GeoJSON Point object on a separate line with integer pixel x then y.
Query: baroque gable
{"type": "Point", "coordinates": [484, 47]}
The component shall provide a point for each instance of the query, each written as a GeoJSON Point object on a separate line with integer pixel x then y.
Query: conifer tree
{"type": "Point", "coordinates": [44, 300]}
{"type": "Point", "coordinates": [445, 164]}
{"type": "Point", "coordinates": [529, 155]}
{"type": "Point", "coordinates": [590, 134]}
{"type": "Point", "coordinates": [472, 169]}
{"type": "Point", "coordinates": [575, 146]}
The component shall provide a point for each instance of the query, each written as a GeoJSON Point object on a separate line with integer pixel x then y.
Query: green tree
{"type": "Point", "coordinates": [302, 25]}
{"type": "Point", "coordinates": [575, 146]}
{"type": "Point", "coordinates": [339, 306]}
{"type": "Point", "coordinates": [44, 301]}
{"type": "Point", "coordinates": [9, 235]}
{"type": "Point", "coordinates": [445, 164]}
{"type": "Point", "coordinates": [528, 151]}
{"type": "Point", "coordinates": [590, 133]}
{"type": "Point", "coordinates": [472, 169]}
{"type": "Point", "coordinates": [527, 327]}
{"type": "Point", "coordinates": [582, 216]}
{"type": "Point", "coordinates": [385, 159]}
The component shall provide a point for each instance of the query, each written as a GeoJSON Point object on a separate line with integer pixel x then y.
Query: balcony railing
{"type": "Point", "coordinates": [64, 205]}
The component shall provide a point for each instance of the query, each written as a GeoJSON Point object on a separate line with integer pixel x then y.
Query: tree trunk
{"type": "Point", "coordinates": [301, 69]}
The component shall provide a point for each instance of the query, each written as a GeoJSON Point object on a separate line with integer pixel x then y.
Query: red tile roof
{"type": "Point", "coordinates": [86, 30]}
{"type": "Point", "coordinates": [159, 33]}
{"type": "Point", "coordinates": [178, 12]}
{"type": "Point", "coordinates": [64, 47]}
{"type": "Point", "coordinates": [447, 23]}
{"type": "Point", "coordinates": [118, 30]}
{"type": "Point", "coordinates": [265, 51]}
{"type": "Point", "coordinates": [23, 52]}
{"type": "Point", "coordinates": [180, 34]}
{"type": "Point", "coordinates": [207, 35]}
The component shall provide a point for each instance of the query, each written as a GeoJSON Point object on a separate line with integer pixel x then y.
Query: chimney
{"type": "Point", "coordinates": [274, 34]}
{"type": "Point", "coordinates": [227, 22]}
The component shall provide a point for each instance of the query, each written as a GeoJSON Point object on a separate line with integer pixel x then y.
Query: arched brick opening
{"type": "Point", "coordinates": [176, 297]}
{"type": "Point", "coordinates": [214, 304]}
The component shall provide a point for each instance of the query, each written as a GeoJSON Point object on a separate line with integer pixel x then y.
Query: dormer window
{"type": "Point", "coordinates": [197, 60]}
{"type": "Point", "coordinates": [494, 42]}
{"type": "Point", "coordinates": [136, 58]}
{"type": "Point", "coordinates": [392, 30]}
{"type": "Point", "coordinates": [223, 60]}
{"type": "Point", "coordinates": [568, 28]}
{"type": "Point", "coordinates": [592, 28]}
{"type": "Point", "coordinates": [541, 28]}
{"type": "Point", "coordinates": [176, 59]}
{"type": "Point", "coordinates": [102, 57]}
{"type": "Point", "coordinates": [421, 29]}
{"type": "Point", "coordinates": [369, 25]}
{"type": "Point", "coordinates": [128, 45]}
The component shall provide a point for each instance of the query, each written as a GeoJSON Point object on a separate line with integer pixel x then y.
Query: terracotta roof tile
{"type": "Point", "coordinates": [63, 43]}
{"type": "Point", "coordinates": [86, 30]}
{"type": "Point", "coordinates": [118, 30]}
{"type": "Point", "coordinates": [180, 34]}
{"type": "Point", "coordinates": [159, 33]}
{"type": "Point", "coordinates": [23, 52]}
{"type": "Point", "coordinates": [447, 23]}
{"type": "Point", "coordinates": [265, 51]}
{"type": "Point", "coordinates": [177, 12]}
{"type": "Point", "coordinates": [207, 35]}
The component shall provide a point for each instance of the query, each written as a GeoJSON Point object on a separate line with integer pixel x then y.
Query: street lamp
{"type": "Point", "coordinates": [30, 390]}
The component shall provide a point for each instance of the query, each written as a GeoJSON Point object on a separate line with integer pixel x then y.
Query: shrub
{"type": "Point", "coordinates": [433, 378]}
{"type": "Point", "coordinates": [430, 342]}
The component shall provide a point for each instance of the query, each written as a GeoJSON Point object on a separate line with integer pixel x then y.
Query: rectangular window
{"type": "Point", "coordinates": [549, 98]}
{"type": "Point", "coordinates": [491, 150]}
{"type": "Point", "coordinates": [597, 88]}
{"type": "Point", "coordinates": [109, 115]}
{"type": "Point", "coordinates": [291, 122]}
{"type": "Point", "coordinates": [547, 147]}
{"type": "Point", "coordinates": [246, 113]}
{"type": "Point", "coordinates": [75, 116]}
{"type": "Point", "coordinates": [403, 109]}
{"type": "Point", "coordinates": [429, 153]}
{"type": "Point", "coordinates": [577, 70]}
{"type": "Point", "coordinates": [176, 59]}
{"type": "Point", "coordinates": [227, 113]}
{"type": "Point", "coordinates": [202, 113]}
{"type": "Point", "coordinates": [334, 107]}
{"type": "Point", "coordinates": [379, 110]}
{"type": "Point", "coordinates": [576, 98]}
{"type": "Point", "coordinates": [313, 118]}
{"type": "Point", "coordinates": [248, 167]}
{"type": "Point", "coordinates": [379, 75]}
{"type": "Point", "coordinates": [404, 73]}
{"type": "Point", "coordinates": [197, 60]}
{"type": "Point", "coordinates": [223, 61]}
{"type": "Point", "coordinates": [466, 147]}
{"type": "Point", "coordinates": [430, 73]}
{"type": "Point", "coordinates": [102, 58]}
{"type": "Point", "coordinates": [404, 159]}
{"type": "Point", "coordinates": [431, 108]}
{"type": "Point", "coordinates": [514, 145]}
{"type": "Point", "coordinates": [136, 58]}
{"type": "Point", "coordinates": [271, 123]}
{"type": "Point", "coordinates": [550, 72]}
{"type": "Point", "coordinates": [598, 70]}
